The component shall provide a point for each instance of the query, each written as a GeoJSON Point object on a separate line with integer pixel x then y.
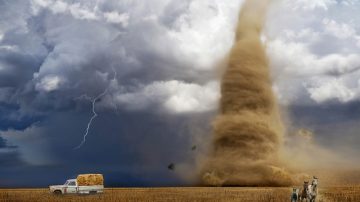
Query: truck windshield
{"type": "Point", "coordinates": [66, 183]}
{"type": "Point", "coordinates": [71, 183]}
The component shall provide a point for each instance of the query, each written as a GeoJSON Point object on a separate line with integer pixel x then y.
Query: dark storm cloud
{"type": "Point", "coordinates": [328, 113]}
{"type": "Point", "coordinates": [53, 52]}
{"type": "Point", "coordinates": [9, 156]}
{"type": "Point", "coordinates": [11, 119]}
{"type": "Point", "coordinates": [135, 147]}
{"type": "Point", "coordinates": [335, 126]}
{"type": "Point", "coordinates": [3, 144]}
{"type": "Point", "coordinates": [70, 51]}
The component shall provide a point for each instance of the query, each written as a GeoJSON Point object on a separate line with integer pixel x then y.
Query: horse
{"type": "Point", "coordinates": [304, 194]}
{"type": "Point", "coordinates": [313, 191]}
{"type": "Point", "coordinates": [294, 195]}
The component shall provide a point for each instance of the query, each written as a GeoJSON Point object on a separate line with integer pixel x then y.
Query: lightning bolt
{"type": "Point", "coordinates": [93, 102]}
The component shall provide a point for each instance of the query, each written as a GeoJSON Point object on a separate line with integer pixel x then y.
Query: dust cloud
{"type": "Point", "coordinates": [247, 132]}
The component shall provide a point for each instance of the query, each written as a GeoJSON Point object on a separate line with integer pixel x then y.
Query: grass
{"type": "Point", "coordinates": [196, 194]}
{"type": "Point", "coordinates": [347, 193]}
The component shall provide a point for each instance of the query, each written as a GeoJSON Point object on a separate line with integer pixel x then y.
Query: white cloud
{"type": "Point", "coordinates": [331, 89]}
{"type": "Point", "coordinates": [307, 34]}
{"type": "Point", "coordinates": [77, 10]}
{"type": "Point", "coordinates": [318, 48]}
{"type": "Point", "coordinates": [191, 97]}
{"type": "Point", "coordinates": [42, 3]}
{"type": "Point", "coordinates": [296, 59]}
{"type": "Point", "coordinates": [310, 4]}
{"type": "Point", "coordinates": [342, 31]}
{"type": "Point", "coordinates": [115, 17]}
{"type": "Point", "coordinates": [49, 83]}
{"type": "Point", "coordinates": [37, 5]}
{"type": "Point", "coordinates": [173, 96]}
{"type": "Point", "coordinates": [206, 31]}
{"type": "Point", "coordinates": [9, 48]}
{"type": "Point", "coordinates": [80, 12]}
{"type": "Point", "coordinates": [348, 2]}
{"type": "Point", "coordinates": [59, 7]}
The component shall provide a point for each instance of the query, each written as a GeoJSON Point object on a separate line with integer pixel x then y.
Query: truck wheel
{"type": "Point", "coordinates": [57, 192]}
{"type": "Point", "coordinates": [92, 192]}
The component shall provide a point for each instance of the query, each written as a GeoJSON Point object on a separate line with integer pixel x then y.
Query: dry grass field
{"type": "Point", "coordinates": [198, 194]}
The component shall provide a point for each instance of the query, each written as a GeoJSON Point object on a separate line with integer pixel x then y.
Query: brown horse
{"type": "Point", "coordinates": [304, 193]}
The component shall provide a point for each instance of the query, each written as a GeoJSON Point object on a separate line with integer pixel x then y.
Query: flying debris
{"type": "Point", "coordinates": [193, 148]}
{"type": "Point", "coordinates": [171, 166]}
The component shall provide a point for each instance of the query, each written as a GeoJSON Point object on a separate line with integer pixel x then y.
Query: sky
{"type": "Point", "coordinates": [151, 70]}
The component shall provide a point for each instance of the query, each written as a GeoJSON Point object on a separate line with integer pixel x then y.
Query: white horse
{"type": "Point", "coordinates": [313, 190]}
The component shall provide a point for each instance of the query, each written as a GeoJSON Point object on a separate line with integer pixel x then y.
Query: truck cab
{"type": "Point", "coordinates": [70, 186]}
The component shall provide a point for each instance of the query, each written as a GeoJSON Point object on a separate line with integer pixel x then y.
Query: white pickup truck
{"type": "Point", "coordinates": [78, 186]}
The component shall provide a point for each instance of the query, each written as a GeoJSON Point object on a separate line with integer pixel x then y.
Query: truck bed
{"type": "Point", "coordinates": [90, 189]}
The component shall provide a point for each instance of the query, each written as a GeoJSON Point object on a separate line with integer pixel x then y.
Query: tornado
{"type": "Point", "coordinates": [247, 132]}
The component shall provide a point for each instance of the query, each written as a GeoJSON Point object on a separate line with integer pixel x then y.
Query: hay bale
{"type": "Point", "coordinates": [90, 179]}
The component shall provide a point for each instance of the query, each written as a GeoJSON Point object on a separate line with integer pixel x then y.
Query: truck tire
{"type": "Point", "coordinates": [92, 192]}
{"type": "Point", "coordinates": [57, 192]}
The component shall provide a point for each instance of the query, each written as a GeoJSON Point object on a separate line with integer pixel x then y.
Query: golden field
{"type": "Point", "coordinates": [177, 194]}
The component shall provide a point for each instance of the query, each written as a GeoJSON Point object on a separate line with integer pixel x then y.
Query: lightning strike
{"type": "Point", "coordinates": [93, 102]}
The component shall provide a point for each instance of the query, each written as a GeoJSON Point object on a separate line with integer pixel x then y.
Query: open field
{"type": "Point", "coordinates": [198, 194]}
